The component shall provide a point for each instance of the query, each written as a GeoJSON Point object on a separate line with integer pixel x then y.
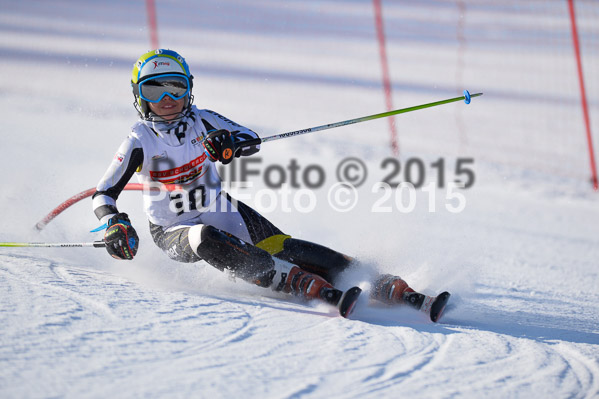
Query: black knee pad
{"type": "Point", "coordinates": [225, 251]}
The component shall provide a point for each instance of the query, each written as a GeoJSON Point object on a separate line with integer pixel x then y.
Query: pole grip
{"type": "Point", "coordinates": [250, 143]}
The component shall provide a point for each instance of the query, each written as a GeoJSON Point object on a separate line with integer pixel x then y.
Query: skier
{"type": "Point", "coordinates": [176, 144]}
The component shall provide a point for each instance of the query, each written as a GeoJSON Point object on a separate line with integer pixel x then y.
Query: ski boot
{"type": "Point", "coordinates": [393, 290]}
{"type": "Point", "coordinates": [296, 281]}
{"type": "Point", "coordinates": [255, 265]}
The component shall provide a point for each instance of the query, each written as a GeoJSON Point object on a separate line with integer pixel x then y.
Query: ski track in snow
{"type": "Point", "coordinates": [520, 260]}
{"type": "Point", "coordinates": [112, 329]}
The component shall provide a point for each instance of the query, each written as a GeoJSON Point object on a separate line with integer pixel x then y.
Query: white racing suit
{"type": "Point", "coordinates": [198, 220]}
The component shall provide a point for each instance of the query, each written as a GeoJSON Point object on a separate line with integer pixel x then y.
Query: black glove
{"type": "Point", "coordinates": [219, 146]}
{"type": "Point", "coordinates": [242, 149]}
{"type": "Point", "coordinates": [120, 237]}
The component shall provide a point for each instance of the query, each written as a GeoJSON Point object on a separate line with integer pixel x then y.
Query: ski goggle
{"type": "Point", "coordinates": [154, 89]}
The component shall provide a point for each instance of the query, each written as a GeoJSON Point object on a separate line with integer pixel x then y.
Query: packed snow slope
{"type": "Point", "coordinates": [520, 257]}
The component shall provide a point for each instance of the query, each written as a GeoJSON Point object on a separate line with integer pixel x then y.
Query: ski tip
{"type": "Point", "coordinates": [439, 306]}
{"type": "Point", "coordinates": [348, 301]}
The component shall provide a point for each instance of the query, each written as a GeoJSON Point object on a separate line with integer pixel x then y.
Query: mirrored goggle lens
{"type": "Point", "coordinates": [153, 90]}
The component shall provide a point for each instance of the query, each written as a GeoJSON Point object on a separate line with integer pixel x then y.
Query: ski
{"type": "Point", "coordinates": [348, 301]}
{"type": "Point", "coordinates": [435, 305]}
{"type": "Point", "coordinates": [439, 306]}
{"type": "Point", "coordinates": [344, 301]}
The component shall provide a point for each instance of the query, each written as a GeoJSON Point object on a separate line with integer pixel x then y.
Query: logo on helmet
{"type": "Point", "coordinates": [161, 63]}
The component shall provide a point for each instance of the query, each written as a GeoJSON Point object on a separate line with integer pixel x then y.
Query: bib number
{"type": "Point", "coordinates": [187, 201]}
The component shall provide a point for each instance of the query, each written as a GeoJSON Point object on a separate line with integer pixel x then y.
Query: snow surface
{"type": "Point", "coordinates": [520, 259]}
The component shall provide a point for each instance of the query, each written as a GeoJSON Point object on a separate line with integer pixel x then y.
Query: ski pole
{"type": "Point", "coordinates": [95, 244]}
{"type": "Point", "coordinates": [136, 186]}
{"type": "Point", "coordinates": [466, 97]}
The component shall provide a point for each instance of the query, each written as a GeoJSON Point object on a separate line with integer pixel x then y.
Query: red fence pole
{"type": "Point", "coordinates": [90, 191]}
{"type": "Point", "coordinates": [380, 31]}
{"type": "Point", "coordinates": [583, 96]}
{"type": "Point", "coordinates": [74, 199]}
{"type": "Point", "coordinates": [152, 24]}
